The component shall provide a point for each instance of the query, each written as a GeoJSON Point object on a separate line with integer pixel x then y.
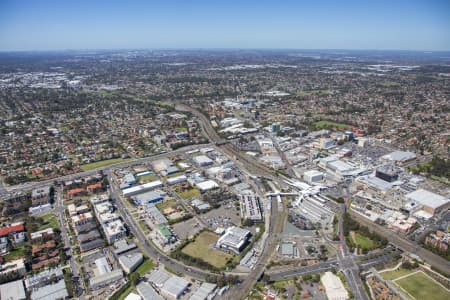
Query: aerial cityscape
{"type": "Point", "coordinates": [225, 170]}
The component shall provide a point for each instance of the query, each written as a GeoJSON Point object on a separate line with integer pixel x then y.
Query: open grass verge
{"type": "Point", "coordinates": [102, 163]}
{"type": "Point", "coordinates": [191, 193]}
{"type": "Point", "coordinates": [328, 124]}
{"type": "Point", "coordinates": [363, 242]}
{"type": "Point", "coordinates": [145, 267]}
{"type": "Point", "coordinates": [50, 220]}
{"type": "Point", "coordinates": [391, 275]}
{"type": "Point", "coordinates": [147, 178]}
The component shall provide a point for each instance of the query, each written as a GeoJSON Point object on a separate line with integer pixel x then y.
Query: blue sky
{"type": "Point", "coordinates": [319, 24]}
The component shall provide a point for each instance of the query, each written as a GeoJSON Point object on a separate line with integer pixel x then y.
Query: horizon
{"type": "Point", "coordinates": [226, 49]}
{"type": "Point", "coordinates": [323, 25]}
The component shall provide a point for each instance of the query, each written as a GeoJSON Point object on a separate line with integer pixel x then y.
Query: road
{"type": "Point", "coordinates": [364, 263]}
{"type": "Point", "coordinates": [73, 264]}
{"type": "Point", "coordinates": [347, 262]}
{"type": "Point", "coordinates": [34, 184]}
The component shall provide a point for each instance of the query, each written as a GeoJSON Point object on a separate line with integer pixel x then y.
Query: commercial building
{"type": "Point", "coordinates": [112, 225]}
{"type": "Point", "coordinates": [388, 172]}
{"type": "Point", "coordinates": [114, 230]}
{"type": "Point", "coordinates": [399, 157]}
{"type": "Point", "coordinates": [234, 239]}
{"type": "Point", "coordinates": [13, 290]}
{"type": "Point", "coordinates": [326, 143]}
{"type": "Point", "coordinates": [250, 206]}
{"type": "Point", "coordinates": [312, 176]}
{"type": "Point", "coordinates": [429, 202]}
{"type": "Point", "coordinates": [129, 262]}
{"type": "Point", "coordinates": [334, 287]}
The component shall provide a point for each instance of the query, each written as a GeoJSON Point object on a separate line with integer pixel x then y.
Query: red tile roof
{"type": "Point", "coordinates": [11, 229]}
{"type": "Point", "coordinates": [75, 191]}
{"type": "Point", "coordinates": [98, 185]}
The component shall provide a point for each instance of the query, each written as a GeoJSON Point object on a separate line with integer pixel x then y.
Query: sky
{"type": "Point", "coordinates": [319, 24]}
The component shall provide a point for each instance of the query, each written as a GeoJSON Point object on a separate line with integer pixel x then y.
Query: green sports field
{"type": "Point", "coordinates": [421, 286]}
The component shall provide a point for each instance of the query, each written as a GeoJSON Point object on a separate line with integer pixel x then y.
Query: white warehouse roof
{"type": "Point", "coordinates": [333, 287]}
{"type": "Point", "coordinates": [427, 198]}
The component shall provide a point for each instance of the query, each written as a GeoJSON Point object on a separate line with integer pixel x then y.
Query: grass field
{"type": "Point", "coordinates": [391, 275]}
{"type": "Point", "coordinates": [314, 91]}
{"type": "Point", "coordinates": [362, 241]}
{"type": "Point", "coordinates": [191, 193]}
{"type": "Point", "coordinates": [328, 124]}
{"type": "Point", "coordinates": [421, 286]}
{"type": "Point", "coordinates": [201, 248]}
{"type": "Point", "coordinates": [166, 204]}
{"type": "Point", "coordinates": [102, 163]}
{"type": "Point", "coordinates": [50, 221]}
{"type": "Point", "coordinates": [147, 178]}
{"type": "Point", "coordinates": [15, 253]}
{"type": "Point", "coordinates": [145, 267]}
{"type": "Point", "coordinates": [390, 83]}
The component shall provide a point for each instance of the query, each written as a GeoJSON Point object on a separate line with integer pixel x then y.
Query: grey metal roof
{"type": "Point", "coordinates": [203, 291]}
{"type": "Point", "coordinates": [50, 292]}
{"type": "Point", "coordinates": [147, 292]}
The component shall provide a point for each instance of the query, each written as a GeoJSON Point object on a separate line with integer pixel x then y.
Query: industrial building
{"type": "Point", "coordinates": [156, 217]}
{"type": "Point", "coordinates": [176, 180]}
{"type": "Point", "coordinates": [129, 262]}
{"type": "Point", "coordinates": [149, 197]}
{"type": "Point", "coordinates": [56, 290]}
{"type": "Point", "coordinates": [202, 161]}
{"type": "Point", "coordinates": [334, 287]}
{"type": "Point", "coordinates": [234, 239]}
{"type": "Point", "coordinates": [250, 206]}
{"type": "Point", "coordinates": [147, 292]}
{"type": "Point", "coordinates": [141, 188]}
{"type": "Point", "coordinates": [207, 185]}
{"type": "Point", "coordinates": [170, 286]}
{"type": "Point", "coordinates": [13, 290]}
{"type": "Point", "coordinates": [104, 274]}
{"type": "Point", "coordinates": [205, 291]}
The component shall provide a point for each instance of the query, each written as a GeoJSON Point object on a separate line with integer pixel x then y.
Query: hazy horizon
{"type": "Point", "coordinates": [320, 25]}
